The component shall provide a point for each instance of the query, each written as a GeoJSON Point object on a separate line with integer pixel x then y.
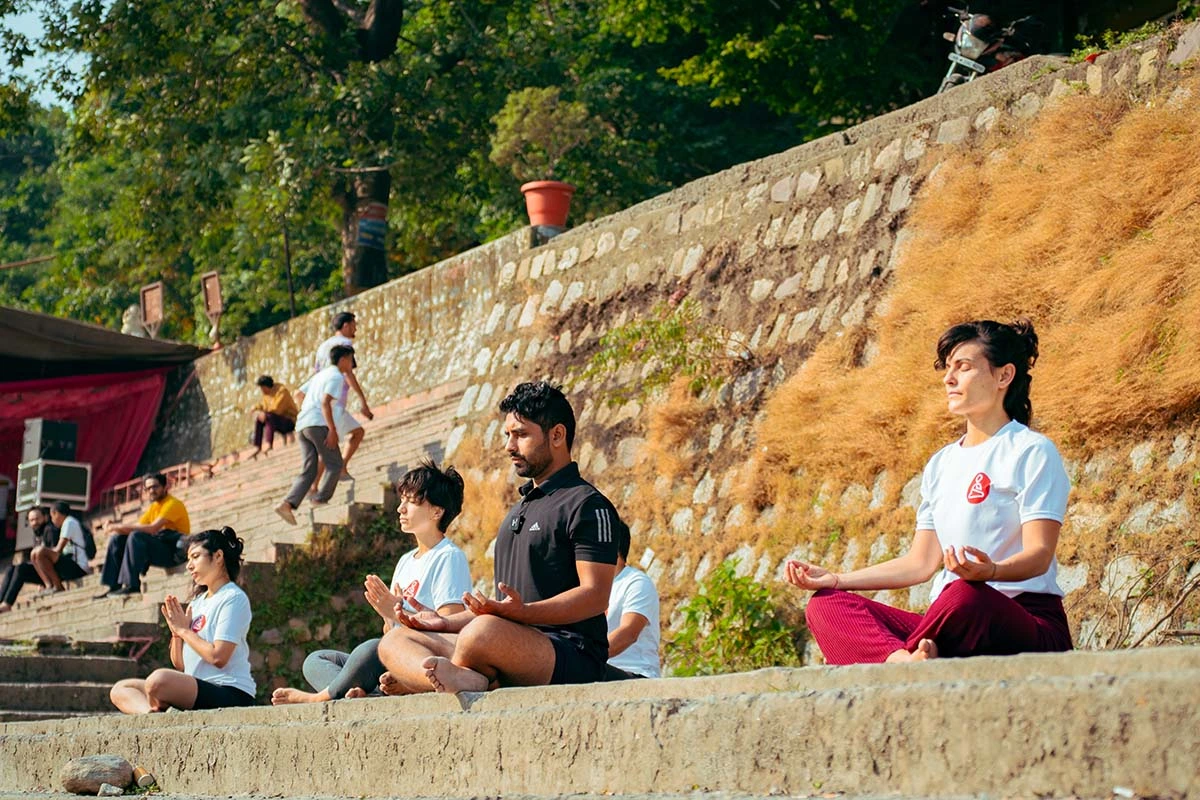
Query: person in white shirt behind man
{"type": "Point", "coordinates": [633, 625]}
{"type": "Point", "coordinates": [317, 433]}
{"type": "Point", "coordinates": [348, 428]}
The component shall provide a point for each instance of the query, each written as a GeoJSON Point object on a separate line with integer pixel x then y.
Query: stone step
{"type": "Point", "coordinates": [78, 696]}
{"type": "Point", "coordinates": [1075, 724]}
{"type": "Point", "coordinates": [66, 668]}
{"type": "Point", "coordinates": [34, 716]}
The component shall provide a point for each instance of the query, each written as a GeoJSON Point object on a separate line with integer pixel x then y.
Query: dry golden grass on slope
{"type": "Point", "coordinates": [486, 499]}
{"type": "Point", "coordinates": [1089, 224]}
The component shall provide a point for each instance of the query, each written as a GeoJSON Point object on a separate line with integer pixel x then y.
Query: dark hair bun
{"type": "Point", "coordinates": [1023, 328]}
{"type": "Point", "coordinates": [231, 537]}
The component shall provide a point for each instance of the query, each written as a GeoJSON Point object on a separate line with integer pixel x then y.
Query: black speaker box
{"type": "Point", "coordinates": [49, 439]}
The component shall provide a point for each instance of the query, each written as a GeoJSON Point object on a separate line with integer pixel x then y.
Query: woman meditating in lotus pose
{"type": "Point", "coordinates": [208, 638]}
{"type": "Point", "coordinates": [435, 575]}
{"type": "Point", "coordinates": [992, 504]}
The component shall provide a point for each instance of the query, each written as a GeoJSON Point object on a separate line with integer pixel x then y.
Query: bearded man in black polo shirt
{"type": "Point", "coordinates": [555, 558]}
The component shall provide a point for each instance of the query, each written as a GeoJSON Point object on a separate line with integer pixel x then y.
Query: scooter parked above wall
{"type": "Point", "coordinates": [982, 45]}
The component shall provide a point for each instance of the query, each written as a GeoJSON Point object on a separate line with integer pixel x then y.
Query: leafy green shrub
{"type": "Point", "coordinates": [1113, 40]}
{"type": "Point", "coordinates": [536, 128]}
{"type": "Point", "coordinates": [675, 341]}
{"type": "Point", "coordinates": [733, 624]}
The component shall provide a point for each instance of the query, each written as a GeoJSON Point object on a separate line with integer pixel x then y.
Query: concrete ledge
{"type": "Point", "coordinates": [1074, 724]}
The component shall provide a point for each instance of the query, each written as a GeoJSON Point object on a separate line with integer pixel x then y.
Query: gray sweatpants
{"type": "Point", "coordinates": [340, 672]}
{"type": "Point", "coordinates": [312, 447]}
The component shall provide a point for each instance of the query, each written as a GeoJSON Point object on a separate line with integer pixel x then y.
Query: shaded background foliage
{"type": "Point", "coordinates": [197, 132]}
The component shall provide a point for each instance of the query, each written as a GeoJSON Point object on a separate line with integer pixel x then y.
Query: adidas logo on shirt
{"type": "Point", "coordinates": [534, 527]}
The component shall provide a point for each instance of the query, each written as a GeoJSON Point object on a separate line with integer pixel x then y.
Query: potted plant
{"type": "Point", "coordinates": [534, 130]}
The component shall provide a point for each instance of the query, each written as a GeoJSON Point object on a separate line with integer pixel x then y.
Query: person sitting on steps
{"type": "Point", "coordinates": [154, 540]}
{"type": "Point", "coordinates": [435, 575]}
{"type": "Point", "coordinates": [554, 561]}
{"type": "Point", "coordinates": [633, 620]}
{"type": "Point", "coordinates": [275, 413]}
{"type": "Point", "coordinates": [992, 504]}
{"type": "Point", "coordinates": [208, 637]}
{"type": "Point", "coordinates": [68, 559]}
{"type": "Point", "coordinates": [45, 537]}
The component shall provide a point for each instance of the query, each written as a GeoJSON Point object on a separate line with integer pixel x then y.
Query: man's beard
{"type": "Point", "coordinates": [535, 465]}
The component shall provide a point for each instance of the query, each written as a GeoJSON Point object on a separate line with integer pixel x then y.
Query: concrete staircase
{"type": "Point", "coordinates": [1077, 724]}
{"type": "Point", "coordinates": [37, 685]}
{"type": "Point", "coordinates": [243, 495]}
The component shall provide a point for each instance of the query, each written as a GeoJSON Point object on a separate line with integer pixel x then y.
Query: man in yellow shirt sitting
{"type": "Point", "coordinates": [152, 541]}
{"type": "Point", "coordinates": [275, 413]}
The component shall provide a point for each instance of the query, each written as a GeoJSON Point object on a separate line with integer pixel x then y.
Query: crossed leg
{"type": "Point", "coordinates": [403, 652]}
{"type": "Point", "coordinates": [163, 689]}
{"type": "Point", "coordinates": [493, 650]}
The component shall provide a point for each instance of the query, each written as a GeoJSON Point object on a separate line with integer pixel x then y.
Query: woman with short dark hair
{"type": "Point", "coordinates": [434, 575]}
{"type": "Point", "coordinates": [992, 505]}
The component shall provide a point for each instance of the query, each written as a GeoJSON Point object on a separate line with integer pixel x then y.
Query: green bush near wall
{"type": "Point", "coordinates": [733, 624]}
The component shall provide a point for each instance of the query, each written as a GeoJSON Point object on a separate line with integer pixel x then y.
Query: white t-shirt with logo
{"type": "Point", "coordinates": [329, 381]}
{"type": "Point", "coordinates": [224, 617]}
{"type": "Point", "coordinates": [72, 531]}
{"type": "Point", "coordinates": [633, 593]}
{"type": "Point", "coordinates": [982, 495]}
{"type": "Point", "coordinates": [439, 577]}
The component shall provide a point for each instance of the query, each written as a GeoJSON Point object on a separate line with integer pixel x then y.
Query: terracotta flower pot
{"type": "Point", "coordinates": [548, 202]}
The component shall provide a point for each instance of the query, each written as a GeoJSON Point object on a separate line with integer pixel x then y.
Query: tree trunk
{"type": "Point", "coordinates": [364, 200]}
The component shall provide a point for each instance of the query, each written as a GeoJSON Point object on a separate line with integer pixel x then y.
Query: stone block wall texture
{"type": "Point", "coordinates": [780, 252]}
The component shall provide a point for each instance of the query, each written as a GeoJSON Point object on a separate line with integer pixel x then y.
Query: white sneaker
{"type": "Point", "coordinates": [284, 510]}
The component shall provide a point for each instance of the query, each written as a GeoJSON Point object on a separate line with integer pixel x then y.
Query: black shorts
{"type": "Point", "coordinates": [574, 660]}
{"type": "Point", "coordinates": [68, 569]}
{"type": "Point", "coordinates": [210, 695]}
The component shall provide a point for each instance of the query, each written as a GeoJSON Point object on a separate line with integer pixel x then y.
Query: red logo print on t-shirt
{"type": "Point", "coordinates": [198, 623]}
{"type": "Point", "coordinates": [410, 593]}
{"type": "Point", "coordinates": [980, 486]}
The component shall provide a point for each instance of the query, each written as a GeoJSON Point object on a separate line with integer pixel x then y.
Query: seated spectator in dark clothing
{"type": "Point", "coordinates": [275, 413]}
{"type": "Point", "coordinates": [152, 541]}
{"type": "Point", "coordinates": [17, 575]}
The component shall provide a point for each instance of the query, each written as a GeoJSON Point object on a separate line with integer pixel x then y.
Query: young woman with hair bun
{"type": "Point", "coordinates": [992, 504]}
{"type": "Point", "coordinates": [208, 637]}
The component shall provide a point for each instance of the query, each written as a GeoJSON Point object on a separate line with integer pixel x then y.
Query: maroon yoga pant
{"type": "Point", "coordinates": [966, 619]}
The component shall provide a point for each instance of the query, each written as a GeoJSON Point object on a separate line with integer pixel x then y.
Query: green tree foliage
{"type": "Point", "coordinates": [201, 130]}
{"type": "Point", "coordinates": [29, 140]}
{"type": "Point", "coordinates": [831, 62]}
{"type": "Point", "coordinates": [731, 625]}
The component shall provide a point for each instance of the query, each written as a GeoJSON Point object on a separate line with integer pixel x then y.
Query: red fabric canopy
{"type": "Point", "coordinates": [115, 413]}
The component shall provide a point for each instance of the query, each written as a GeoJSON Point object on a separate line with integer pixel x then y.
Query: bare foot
{"type": "Point", "coordinates": [287, 695]}
{"type": "Point", "coordinates": [390, 685]}
{"type": "Point", "coordinates": [355, 693]}
{"type": "Point", "coordinates": [448, 677]}
{"type": "Point", "coordinates": [5, 607]}
{"type": "Point", "coordinates": [926, 650]}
